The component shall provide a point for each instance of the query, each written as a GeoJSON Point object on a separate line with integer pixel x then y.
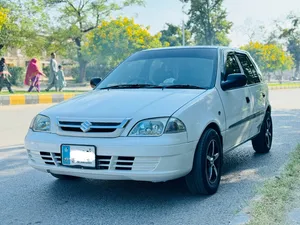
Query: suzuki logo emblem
{"type": "Point", "coordinates": [86, 126]}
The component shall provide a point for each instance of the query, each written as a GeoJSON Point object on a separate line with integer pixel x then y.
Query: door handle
{"type": "Point", "coordinates": [247, 99]}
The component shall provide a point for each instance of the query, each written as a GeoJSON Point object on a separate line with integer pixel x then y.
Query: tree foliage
{"type": "Point", "coordinates": [78, 18]}
{"type": "Point", "coordinates": [115, 40]}
{"type": "Point", "coordinates": [25, 26]}
{"type": "Point", "coordinates": [172, 36]}
{"type": "Point", "coordinates": [3, 16]}
{"type": "Point", "coordinates": [208, 22]}
{"type": "Point", "coordinates": [269, 57]}
{"type": "Point", "coordinates": [292, 37]}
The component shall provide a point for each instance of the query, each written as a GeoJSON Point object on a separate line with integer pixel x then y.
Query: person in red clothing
{"type": "Point", "coordinates": [33, 75]}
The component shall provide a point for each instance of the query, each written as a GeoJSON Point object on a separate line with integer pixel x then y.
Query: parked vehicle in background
{"type": "Point", "coordinates": [162, 114]}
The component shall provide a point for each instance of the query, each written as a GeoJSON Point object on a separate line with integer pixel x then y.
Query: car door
{"type": "Point", "coordinates": [236, 106]}
{"type": "Point", "coordinates": [257, 91]}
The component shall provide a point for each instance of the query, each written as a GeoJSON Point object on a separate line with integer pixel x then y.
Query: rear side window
{"type": "Point", "coordinates": [231, 65]}
{"type": "Point", "coordinates": [249, 69]}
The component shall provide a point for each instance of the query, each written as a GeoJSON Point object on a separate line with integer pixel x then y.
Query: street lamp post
{"type": "Point", "coordinates": [183, 26]}
{"type": "Point", "coordinates": [183, 34]}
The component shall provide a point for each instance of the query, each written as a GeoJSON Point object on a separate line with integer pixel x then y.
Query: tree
{"type": "Point", "coordinates": [3, 16]}
{"type": "Point", "coordinates": [253, 31]}
{"type": "Point", "coordinates": [208, 22]}
{"type": "Point", "coordinates": [24, 26]}
{"type": "Point", "coordinates": [115, 40]}
{"type": "Point", "coordinates": [78, 18]}
{"type": "Point", "coordinates": [292, 37]}
{"type": "Point", "coordinates": [270, 58]}
{"type": "Point", "coordinates": [173, 35]}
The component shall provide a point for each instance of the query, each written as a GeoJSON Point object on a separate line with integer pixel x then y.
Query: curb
{"type": "Point", "coordinates": [23, 99]}
{"type": "Point", "coordinates": [34, 99]}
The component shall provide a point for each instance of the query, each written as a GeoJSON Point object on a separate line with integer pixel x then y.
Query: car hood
{"type": "Point", "coordinates": [124, 103]}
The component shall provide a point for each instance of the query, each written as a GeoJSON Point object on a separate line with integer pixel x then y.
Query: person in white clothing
{"type": "Point", "coordinates": [53, 73]}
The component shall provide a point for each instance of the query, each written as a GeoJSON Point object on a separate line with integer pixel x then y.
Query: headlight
{"type": "Point", "coordinates": [156, 127]}
{"type": "Point", "coordinates": [41, 124]}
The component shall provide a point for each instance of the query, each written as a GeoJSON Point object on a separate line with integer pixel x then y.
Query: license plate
{"type": "Point", "coordinates": [74, 155]}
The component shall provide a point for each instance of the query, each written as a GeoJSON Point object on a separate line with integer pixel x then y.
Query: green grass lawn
{"type": "Point", "coordinates": [289, 85]}
{"type": "Point", "coordinates": [275, 195]}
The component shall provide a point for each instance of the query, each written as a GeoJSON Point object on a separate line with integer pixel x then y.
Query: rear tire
{"type": "Point", "coordinates": [262, 143]}
{"type": "Point", "coordinates": [64, 177]}
{"type": "Point", "coordinates": [206, 172]}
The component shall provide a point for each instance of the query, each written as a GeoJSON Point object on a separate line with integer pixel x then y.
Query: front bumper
{"type": "Point", "coordinates": [125, 158]}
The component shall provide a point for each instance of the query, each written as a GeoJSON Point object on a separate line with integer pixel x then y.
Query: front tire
{"type": "Point", "coordinates": [64, 177]}
{"type": "Point", "coordinates": [206, 172]}
{"type": "Point", "coordinates": [262, 143]}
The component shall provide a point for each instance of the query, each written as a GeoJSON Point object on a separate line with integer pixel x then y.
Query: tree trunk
{"type": "Point", "coordinates": [297, 71]}
{"type": "Point", "coordinates": [81, 61]}
{"type": "Point", "coordinates": [82, 70]}
{"type": "Point", "coordinates": [280, 76]}
{"type": "Point", "coordinates": [269, 77]}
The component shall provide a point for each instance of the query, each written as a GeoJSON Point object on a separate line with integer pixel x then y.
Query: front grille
{"type": "Point", "coordinates": [124, 163]}
{"type": "Point", "coordinates": [48, 158]}
{"type": "Point", "coordinates": [90, 128]}
{"type": "Point", "coordinates": [93, 130]}
{"type": "Point", "coordinates": [114, 163]}
{"type": "Point", "coordinates": [94, 127]}
{"type": "Point", "coordinates": [103, 162]}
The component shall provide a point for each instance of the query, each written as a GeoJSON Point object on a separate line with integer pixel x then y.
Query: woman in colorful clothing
{"type": "Point", "coordinates": [33, 75]}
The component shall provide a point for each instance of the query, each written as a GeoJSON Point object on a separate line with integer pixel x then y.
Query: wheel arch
{"type": "Point", "coordinates": [214, 126]}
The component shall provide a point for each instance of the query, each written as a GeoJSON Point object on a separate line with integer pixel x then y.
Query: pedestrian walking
{"type": "Point", "coordinates": [61, 83]}
{"type": "Point", "coordinates": [4, 81]}
{"type": "Point", "coordinates": [33, 75]}
{"type": "Point", "coordinates": [53, 73]}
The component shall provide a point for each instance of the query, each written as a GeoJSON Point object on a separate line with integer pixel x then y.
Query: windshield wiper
{"type": "Point", "coordinates": [184, 86]}
{"type": "Point", "coordinates": [123, 86]}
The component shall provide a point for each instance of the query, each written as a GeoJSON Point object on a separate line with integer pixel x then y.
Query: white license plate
{"type": "Point", "coordinates": [74, 155]}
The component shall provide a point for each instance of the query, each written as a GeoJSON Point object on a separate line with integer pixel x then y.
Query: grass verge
{"type": "Point", "coordinates": [284, 85]}
{"type": "Point", "coordinates": [276, 193]}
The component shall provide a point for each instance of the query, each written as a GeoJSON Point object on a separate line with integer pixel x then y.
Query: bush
{"type": "Point", "coordinates": [75, 73]}
{"type": "Point", "coordinates": [46, 70]}
{"type": "Point", "coordinates": [18, 75]}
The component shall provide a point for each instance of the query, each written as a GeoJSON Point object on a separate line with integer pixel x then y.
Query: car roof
{"type": "Point", "coordinates": [195, 47]}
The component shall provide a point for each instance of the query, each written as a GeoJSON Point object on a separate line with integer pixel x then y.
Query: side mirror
{"type": "Point", "coordinates": [95, 81]}
{"type": "Point", "coordinates": [234, 80]}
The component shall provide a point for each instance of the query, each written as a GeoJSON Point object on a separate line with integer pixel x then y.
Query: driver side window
{"type": "Point", "coordinates": [231, 65]}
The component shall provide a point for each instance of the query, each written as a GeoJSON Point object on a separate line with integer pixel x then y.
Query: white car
{"type": "Point", "coordinates": [161, 114]}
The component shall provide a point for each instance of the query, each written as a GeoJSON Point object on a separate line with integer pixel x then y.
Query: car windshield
{"type": "Point", "coordinates": [167, 68]}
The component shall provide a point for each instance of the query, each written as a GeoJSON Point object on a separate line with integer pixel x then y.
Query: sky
{"type": "Point", "coordinates": [243, 13]}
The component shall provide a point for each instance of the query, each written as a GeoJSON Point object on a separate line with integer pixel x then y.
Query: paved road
{"type": "Point", "coordinates": [31, 197]}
